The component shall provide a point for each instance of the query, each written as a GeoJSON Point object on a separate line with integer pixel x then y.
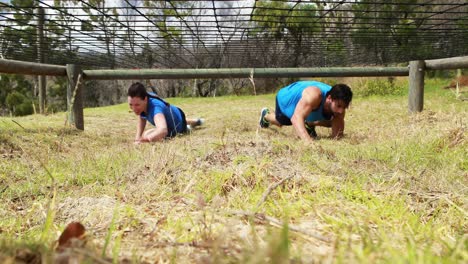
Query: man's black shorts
{"type": "Point", "coordinates": [280, 117]}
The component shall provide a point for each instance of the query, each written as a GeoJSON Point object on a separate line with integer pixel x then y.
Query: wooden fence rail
{"type": "Point", "coordinates": [243, 73]}
{"type": "Point", "coordinates": [31, 68]}
{"type": "Point", "coordinates": [447, 64]}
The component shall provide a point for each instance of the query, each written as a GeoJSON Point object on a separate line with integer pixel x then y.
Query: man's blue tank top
{"type": "Point", "coordinates": [171, 113]}
{"type": "Point", "coordinates": [289, 96]}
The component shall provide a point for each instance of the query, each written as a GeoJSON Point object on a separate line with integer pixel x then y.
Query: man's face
{"type": "Point", "coordinates": [336, 107]}
{"type": "Point", "coordinates": [137, 104]}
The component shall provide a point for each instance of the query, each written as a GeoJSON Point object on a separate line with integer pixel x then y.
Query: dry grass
{"type": "Point", "coordinates": [394, 189]}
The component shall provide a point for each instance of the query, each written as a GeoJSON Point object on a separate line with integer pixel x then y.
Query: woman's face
{"type": "Point", "coordinates": [137, 104]}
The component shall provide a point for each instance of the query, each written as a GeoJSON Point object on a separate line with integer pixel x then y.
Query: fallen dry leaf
{"type": "Point", "coordinates": [74, 230]}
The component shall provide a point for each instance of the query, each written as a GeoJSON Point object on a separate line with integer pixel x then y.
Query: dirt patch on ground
{"type": "Point", "coordinates": [460, 81]}
{"type": "Point", "coordinates": [90, 211]}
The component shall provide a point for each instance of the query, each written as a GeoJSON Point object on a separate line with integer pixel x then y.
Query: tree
{"type": "Point", "coordinates": [450, 25]}
{"type": "Point", "coordinates": [332, 40]}
{"type": "Point", "coordinates": [19, 35]}
{"type": "Point", "coordinates": [106, 19]}
{"type": "Point", "coordinates": [165, 20]}
{"type": "Point", "coordinates": [390, 30]}
{"type": "Point", "coordinates": [295, 25]}
{"type": "Point", "coordinates": [63, 27]}
{"type": "Point", "coordinates": [170, 21]}
{"type": "Point", "coordinates": [130, 16]}
{"type": "Point", "coordinates": [301, 28]}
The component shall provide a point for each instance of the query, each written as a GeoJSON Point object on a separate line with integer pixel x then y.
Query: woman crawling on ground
{"type": "Point", "coordinates": [168, 119]}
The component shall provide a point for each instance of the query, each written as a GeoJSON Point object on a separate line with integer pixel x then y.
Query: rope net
{"type": "Point", "coordinates": [232, 34]}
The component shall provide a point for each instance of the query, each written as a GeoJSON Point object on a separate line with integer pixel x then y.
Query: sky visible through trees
{"type": "Point", "coordinates": [228, 34]}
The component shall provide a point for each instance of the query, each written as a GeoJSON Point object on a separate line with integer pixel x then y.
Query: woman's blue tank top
{"type": "Point", "coordinates": [171, 113]}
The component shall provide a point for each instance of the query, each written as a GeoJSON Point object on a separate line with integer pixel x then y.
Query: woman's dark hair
{"type": "Point", "coordinates": [137, 90]}
{"type": "Point", "coordinates": [341, 92]}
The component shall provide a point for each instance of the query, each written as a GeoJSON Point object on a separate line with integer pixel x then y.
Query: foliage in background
{"type": "Point", "coordinates": [395, 24]}
{"type": "Point", "coordinates": [102, 15]}
{"type": "Point", "coordinates": [18, 104]}
{"type": "Point", "coordinates": [16, 94]}
{"type": "Point", "coordinates": [57, 94]}
{"type": "Point", "coordinates": [380, 86]}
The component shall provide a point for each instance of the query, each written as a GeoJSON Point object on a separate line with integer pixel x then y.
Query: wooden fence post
{"type": "Point", "coordinates": [75, 96]}
{"type": "Point", "coordinates": [416, 86]}
{"type": "Point", "coordinates": [40, 58]}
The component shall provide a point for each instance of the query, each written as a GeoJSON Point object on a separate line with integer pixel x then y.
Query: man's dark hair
{"type": "Point", "coordinates": [341, 92]}
{"type": "Point", "coordinates": [137, 90]}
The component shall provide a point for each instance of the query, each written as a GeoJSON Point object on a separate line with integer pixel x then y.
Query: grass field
{"type": "Point", "coordinates": [393, 190]}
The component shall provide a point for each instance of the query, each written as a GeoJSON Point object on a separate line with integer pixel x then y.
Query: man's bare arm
{"type": "Point", "coordinates": [311, 99]}
{"type": "Point", "coordinates": [337, 125]}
